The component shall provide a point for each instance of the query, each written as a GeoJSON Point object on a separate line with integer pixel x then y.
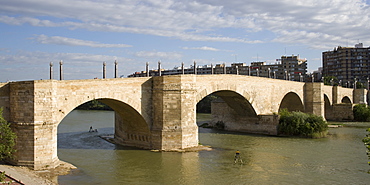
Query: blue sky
{"type": "Point", "coordinates": [85, 33]}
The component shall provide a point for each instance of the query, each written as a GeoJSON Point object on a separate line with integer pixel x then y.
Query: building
{"type": "Point", "coordinates": [347, 64]}
{"type": "Point", "coordinates": [287, 68]}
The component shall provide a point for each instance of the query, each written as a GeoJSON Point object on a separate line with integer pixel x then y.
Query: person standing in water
{"type": "Point", "coordinates": [237, 156]}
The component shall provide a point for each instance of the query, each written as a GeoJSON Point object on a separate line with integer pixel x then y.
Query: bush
{"type": "Point", "coordinates": [361, 112]}
{"type": "Point", "coordinates": [7, 139]}
{"type": "Point", "coordinates": [301, 124]}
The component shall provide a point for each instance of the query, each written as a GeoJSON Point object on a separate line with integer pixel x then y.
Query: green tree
{"type": "Point", "coordinates": [2, 176]}
{"type": "Point", "coordinates": [94, 105]}
{"type": "Point", "coordinates": [366, 141]}
{"type": "Point", "coordinates": [329, 79]}
{"type": "Point", "coordinates": [204, 106]}
{"type": "Point", "coordinates": [361, 112]}
{"type": "Point", "coordinates": [359, 85]}
{"type": "Point", "coordinates": [7, 139]}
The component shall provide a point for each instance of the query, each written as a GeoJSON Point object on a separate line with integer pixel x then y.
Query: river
{"type": "Point", "coordinates": [338, 159]}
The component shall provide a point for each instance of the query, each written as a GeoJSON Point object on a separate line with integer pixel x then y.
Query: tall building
{"type": "Point", "coordinates": [348, 64]}
{"type": "Point", "coordinates": [288, 68]}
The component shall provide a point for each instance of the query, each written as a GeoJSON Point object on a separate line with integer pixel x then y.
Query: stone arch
{"type": "Point", "coordinates": [232, 111]}
{"type": "Point", "coordinates": [328, 108]}
{"type": "Point", "coordinates": [130, 126]}
{"type": "Point", "coordinates": [237, 102]}
{"type": "Point", "coordinates": [292, 102]}
{"type": "Point", "coordinates": [69, 104]}
{"type": "Point", "coordinates": [346, 100]}
{"type": "Point", "coordinates": [228, 92]}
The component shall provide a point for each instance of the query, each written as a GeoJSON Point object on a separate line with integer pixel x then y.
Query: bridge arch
{"type": "Point", "coordinates": [327, 107]}
{"type": "Point", "coordinates": [237, 103]}
{"type": "Point", "coordinates": [346, 99]}
{"type": "Point", "coordinates": [292, 102]}
{"type": "Point", "coordinates": [130, 127]}
{"type": "Point", "coordinates": [232, 96]}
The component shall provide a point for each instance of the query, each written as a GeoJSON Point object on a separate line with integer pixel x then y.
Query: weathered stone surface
{"type": "Point", "coordinates": [158, 112]}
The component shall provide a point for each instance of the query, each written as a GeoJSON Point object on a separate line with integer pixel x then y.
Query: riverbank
{"type": "Point", "coordinates": [42, 177]}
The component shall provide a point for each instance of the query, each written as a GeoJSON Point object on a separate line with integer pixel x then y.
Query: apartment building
{"type": "Point", "coordinates": [348, 64]}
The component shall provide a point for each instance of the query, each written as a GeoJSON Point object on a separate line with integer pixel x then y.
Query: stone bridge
{"type": "Point", "coordinates": [160, 112]}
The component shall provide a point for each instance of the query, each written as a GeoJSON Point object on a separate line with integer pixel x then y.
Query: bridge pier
{"type": "Point", "coordinates": [174, 120]}
{"type": "Point", "coordinates": [314, 99]}
{"type": "Point", "coordinates": [32, 121]}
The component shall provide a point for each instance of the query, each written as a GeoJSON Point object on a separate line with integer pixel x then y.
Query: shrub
{"type": "Point", "coordinates": [7, 138]}
{"type": "Point", "coordinates": [361, 112]}
{"type": "Point", "coordinates": [301, 124]}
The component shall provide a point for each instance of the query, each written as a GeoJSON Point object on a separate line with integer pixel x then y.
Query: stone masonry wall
{"type": "Point", "coordinates": [4, 100]}
{"type": "Point", "coordinates": [261, 124]}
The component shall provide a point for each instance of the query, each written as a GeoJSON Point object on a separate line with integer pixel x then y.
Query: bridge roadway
{"type": "Point", "coordinates": [160, 112]}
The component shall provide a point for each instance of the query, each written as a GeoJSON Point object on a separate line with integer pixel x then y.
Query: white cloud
{"type": "Point", "coordinates": [43, 39]}
{"type": "Point", "coordinates": [205, 48]}
{"type": "Point", "coordinates": [158, 55]}
{"type": "Point", "coordinates": [316, 23]}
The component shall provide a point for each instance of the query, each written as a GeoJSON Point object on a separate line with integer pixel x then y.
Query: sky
{"type": "Point", "coordinates": [86, 33]}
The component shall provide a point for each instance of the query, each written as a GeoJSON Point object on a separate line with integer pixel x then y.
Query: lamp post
{"type": "Point", "coordinates": [286, 75]}
{"type": "Point", "coordinates": [104, 70]}
{"type": "Point", "coordinates": [115, 69]}
{"type": "Point", "coordinates": [159, 68]}
{"type": "Point", "coordinates": [51, 70]}
{"type": "Point", "coordinates": [195, 68]}
{"type": "Point", "coordinates": [147, 69]}
{"type": "Point", "coordinates": [61, 70]}
{"type": "Point", "coordinates": [182, 68]}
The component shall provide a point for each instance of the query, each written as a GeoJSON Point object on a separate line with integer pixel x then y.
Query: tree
{"type": "Point", "coordinates": [359, 85]}
{"type": "Point", "coordinates": [366, 141]}
{"type": "Point", "coordinates": [7, 139]}
{"type": "Point", "coordinates": [361, 112]}
{"type": "Point", "coordinates": [204, 106]}
{"type": "Point", "coordinates": [329, 79]}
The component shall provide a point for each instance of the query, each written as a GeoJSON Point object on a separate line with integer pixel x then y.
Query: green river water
{"type": "Point", "coordinates": [338, 159]}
